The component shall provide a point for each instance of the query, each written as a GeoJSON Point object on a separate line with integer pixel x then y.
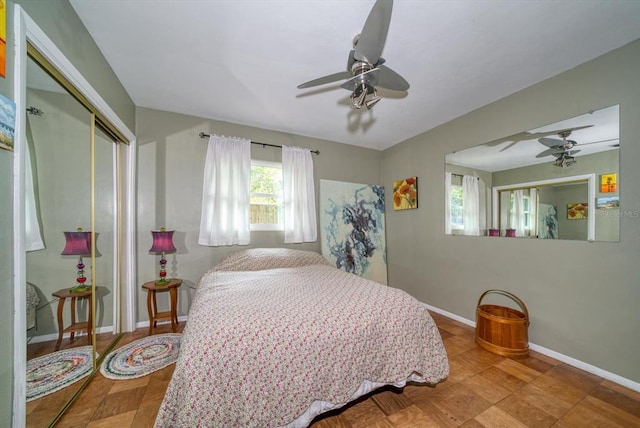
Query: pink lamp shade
{"type": "Point", "coordinates": [162, 241]}
{"type": "Point", "coordinates": [78, 244]}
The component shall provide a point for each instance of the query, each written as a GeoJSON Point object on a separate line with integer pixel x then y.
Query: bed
{"type": "Point", "coordinates": [276, 337]}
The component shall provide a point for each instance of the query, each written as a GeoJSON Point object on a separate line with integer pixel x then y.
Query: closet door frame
{"type": "Point", "coordinates": [27, 31]}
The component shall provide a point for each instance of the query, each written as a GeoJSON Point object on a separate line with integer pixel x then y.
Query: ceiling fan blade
{"type": "Point", "coordinates": [556, 132]}
{"type": "Point", "coordinates": [374, 33]}
{"type": "Point", "coordinates": [598, 142]}
{"type": "Point", "coordinates": [326, 79]}
{"type": "Point", "coordinates": [389, 79]}
{"type": "Point", "coordinates": [548, 152]}
{"type": "Point", "coordinates": [551, 142]}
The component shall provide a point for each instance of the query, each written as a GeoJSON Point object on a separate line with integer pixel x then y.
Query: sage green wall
{"type": "Point", "coordinates": [583, 297]}
{"type": "Point", "coordinates": [170, 173]}
{"type": "Point", "coordinates": [61, 24]}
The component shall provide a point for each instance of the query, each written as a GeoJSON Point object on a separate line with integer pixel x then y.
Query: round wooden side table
{"type": "Point", "coordinates": [64, 294]}
{"type": "Point", "coordinates": [152, 306]}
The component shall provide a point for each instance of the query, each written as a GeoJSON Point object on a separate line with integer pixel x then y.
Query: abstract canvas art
{"type": "Point", "coordinates": [547, 221]}
{"type": "Point", "coordinates": [405, 194]}
{"type": "Point", "coordinates": [352, 228]}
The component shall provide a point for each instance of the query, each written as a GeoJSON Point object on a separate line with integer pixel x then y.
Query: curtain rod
{"type": "Point", "coordinates": [203, 135]}
{"type": "Point", "coordinates": [461, 175]}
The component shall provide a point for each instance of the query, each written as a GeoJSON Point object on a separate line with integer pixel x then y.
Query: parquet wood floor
{"type": "Point", "coordinates": [483, 390]}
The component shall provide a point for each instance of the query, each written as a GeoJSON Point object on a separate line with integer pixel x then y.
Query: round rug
{"type": "Point", "coordinates": [141, 357]}
{"type": "Point", "coordinates": [57, 370]}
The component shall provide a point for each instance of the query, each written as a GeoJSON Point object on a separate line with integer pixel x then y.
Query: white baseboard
{"type": "Point", "coordinates": [54, 336]}
{"type": "Point", "coordinates": [627, 383]}
{"type": "Point", "coordinates": [141, 324]}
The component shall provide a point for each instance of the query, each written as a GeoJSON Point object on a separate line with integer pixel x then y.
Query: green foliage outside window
{"type": "Point", "coordinates": [266, 191]}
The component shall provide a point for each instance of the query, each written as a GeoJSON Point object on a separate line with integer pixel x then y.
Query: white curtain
{"type": "Point", "coordinates": [471, 201]}
{"type": "Point", "coordinates": [447, 203]}
{"type": "Point", "coordinates": [533, 209]}
{"type": "Point", "coordinates": [33, 236]}
{"type": "Point", "coordinates": [226, 192]}
{"type": "Point", "coordinates": [518, 222]}
{"type": "Point", "coordinates": [299, 196]}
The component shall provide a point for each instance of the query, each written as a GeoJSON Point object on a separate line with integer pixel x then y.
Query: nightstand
{"type": "Point", "coordinates": [152, 307]}
{"type": "Point", "coordinates": [64, 294]}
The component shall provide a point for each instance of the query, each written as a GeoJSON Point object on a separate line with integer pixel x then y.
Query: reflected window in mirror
{"type": "Point", "coordinates": [465, 207]}
{"type": "Point", "coordinates": [523, 167]}
{"type": "Point", "coordinates": [518, 211]}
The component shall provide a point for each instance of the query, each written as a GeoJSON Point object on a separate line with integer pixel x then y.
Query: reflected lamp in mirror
{"type": "Point", "coordinates": [78, 243]}
{"type": "Point", "coordinates": [162, 243]}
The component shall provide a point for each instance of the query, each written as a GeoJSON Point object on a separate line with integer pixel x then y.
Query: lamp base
{"type": "Point", "coordinates": [162, 281]}
{"type": "Point", "coordinates": [80, 288]}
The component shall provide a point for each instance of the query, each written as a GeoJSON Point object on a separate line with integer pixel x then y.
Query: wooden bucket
{"type": "Point", "coordinates": [503, 330]}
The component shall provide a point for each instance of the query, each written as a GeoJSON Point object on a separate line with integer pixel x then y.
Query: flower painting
{"type": "Point", "coordinates": [352, 228]}
{"type": "Point", "coordinates": [405, 194]}
{"type": "Point", "coordinates": [577, 211]}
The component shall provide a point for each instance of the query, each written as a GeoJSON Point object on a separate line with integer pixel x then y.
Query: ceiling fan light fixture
{"type": "Point", "coordinates": [564, 160]}
{"type": "Point", "coordinates": [359, 95]}
{"type": "Point", "coordinates": [372, 101]}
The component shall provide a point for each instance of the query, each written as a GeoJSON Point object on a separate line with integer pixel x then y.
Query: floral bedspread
{"type": "Point", "coordinates": [260, 346]}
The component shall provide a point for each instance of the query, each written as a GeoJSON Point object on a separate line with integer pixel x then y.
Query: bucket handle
{"type": "Point", "coordinates": [512, 297]}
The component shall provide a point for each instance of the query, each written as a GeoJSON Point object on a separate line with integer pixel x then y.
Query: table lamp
{"type": "Point", "coordinates": [162, 243]}
{"type": "Point", "coordinates": [78, 244]}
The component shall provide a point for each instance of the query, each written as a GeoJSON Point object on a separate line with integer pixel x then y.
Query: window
{"type": "Point", "coordinates": [457, 208]}
{"type": "Point", "coordinates": [266, 210]}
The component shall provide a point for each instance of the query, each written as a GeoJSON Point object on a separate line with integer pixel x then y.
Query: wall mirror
{"type": "Point", "coordinates": [559, 181]}
{"type": "Point", "coordinates": [72, 170]}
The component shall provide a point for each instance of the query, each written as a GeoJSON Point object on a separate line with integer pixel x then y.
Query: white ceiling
{"type": "Point", "coordinates": [240, 61]}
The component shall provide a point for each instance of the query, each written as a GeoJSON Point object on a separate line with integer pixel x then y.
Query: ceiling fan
{"type": "Point", "coordinates": [365, 70]}
{"type": "Point", "coordinates": [563, 149]}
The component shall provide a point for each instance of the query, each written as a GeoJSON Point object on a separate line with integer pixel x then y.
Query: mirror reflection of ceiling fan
{"type": "Point", "coordinates": [562, 148]}
{"type": "Point", "coordinates": [365, 70]}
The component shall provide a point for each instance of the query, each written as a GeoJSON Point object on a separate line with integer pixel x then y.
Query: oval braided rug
{"type": "Point", "coordinates": [141, 357]}
{"type": "Point", "coordinates": [52, 372]}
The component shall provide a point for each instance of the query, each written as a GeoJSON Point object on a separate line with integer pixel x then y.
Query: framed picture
{"type": "Point", "coordinates": [405, 194]}
{"type": "Point", "coordinates": [7, 123]}
{"type": "Point", "coordinates": [608, 183]}
{"type": "Point", "coordinates": [608, 202]}
{"type": "Point", "coordinates": [577, 211]}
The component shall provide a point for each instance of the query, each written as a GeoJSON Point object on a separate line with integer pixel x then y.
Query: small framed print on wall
{"type": "Point", "coordinates": [608, 183]}
{"type": "Point", "coordinates": [405, 194]}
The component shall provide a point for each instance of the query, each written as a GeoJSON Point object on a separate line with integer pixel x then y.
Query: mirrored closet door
{"type": "Point", "coordinates": [73, 233]}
